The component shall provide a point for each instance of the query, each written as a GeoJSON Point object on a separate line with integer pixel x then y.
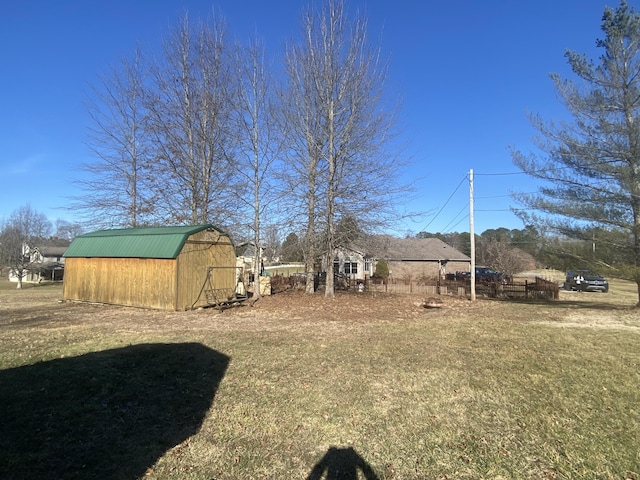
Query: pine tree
{"type": "Point", "coordinates": [591, 164]}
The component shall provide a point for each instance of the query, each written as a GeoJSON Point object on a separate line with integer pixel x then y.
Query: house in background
{"type": "Point", "coordinates": [408, 258]}
{"type": "Point", "coordinates": [353, 264]}
{"type": "Point", "coordinates": [415, 258]}
{"type": "Point", "coordinates": [42, 263]}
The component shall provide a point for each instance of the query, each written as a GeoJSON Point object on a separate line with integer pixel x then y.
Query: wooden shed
{"type": "Point", "coordinates": [167, 268]}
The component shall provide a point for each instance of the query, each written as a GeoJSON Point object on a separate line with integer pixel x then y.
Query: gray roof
{"type": "Point", "coordinates": [415, 249]}
{"type": "Point", "coordinates": [51, 251]}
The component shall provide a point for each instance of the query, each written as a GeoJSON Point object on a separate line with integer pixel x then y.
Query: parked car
{"type": "Point", "coordinates": [486, 274]}
{"type": "Point", "coordinates": [585, 281]}
{"type": "Point", "coordinates": [483, 275]}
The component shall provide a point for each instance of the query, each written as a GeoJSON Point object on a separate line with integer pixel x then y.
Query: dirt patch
{"type": "Point", "coordinates": [42, 307]}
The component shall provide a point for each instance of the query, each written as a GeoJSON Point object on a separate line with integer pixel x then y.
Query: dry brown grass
{"type": "Point", "coordinates": [368, 385]}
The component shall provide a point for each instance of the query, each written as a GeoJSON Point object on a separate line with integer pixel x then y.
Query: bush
{"type": "Point", "coordinates": [382, 269]}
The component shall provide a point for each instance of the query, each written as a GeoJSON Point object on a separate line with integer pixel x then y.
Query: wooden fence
{"type": "Point", "coordinates": [537, 288]}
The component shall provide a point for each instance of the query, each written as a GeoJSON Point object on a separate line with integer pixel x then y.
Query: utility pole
{"type": "Point", "coordinates": [472, 238]}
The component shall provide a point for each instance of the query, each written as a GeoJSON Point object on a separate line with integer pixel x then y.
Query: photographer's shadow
{"type": "Point", "coordinates": [341, 464]}
{"type": "Point", "coordinates": [109, 414]}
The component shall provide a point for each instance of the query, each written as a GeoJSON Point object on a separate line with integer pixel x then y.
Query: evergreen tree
{"type": "Point", "coordinates": [291, 249]}
{"type": "Point", "coordinates": [591, 165]}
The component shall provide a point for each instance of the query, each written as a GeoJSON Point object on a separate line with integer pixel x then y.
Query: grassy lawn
{"type": "Point", "coordinates": [303, 387]}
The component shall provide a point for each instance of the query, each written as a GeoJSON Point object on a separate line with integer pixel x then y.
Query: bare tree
{"type": "Point", "coordinates": [592, 165]}
{"type": "Point", "coordinates": [116, 186]}
{"type": "Point", "coordinates": [257, 143]}
{"type": "Point", "coordinates": [502, 256]}
{"type": "Point", "coordinates": [272, 243]}
{"type": "Point", "coordinates": [24, 227]}
{"type": "Point", "coordinates": [342, 127]}
{"type": "Point", "coordinates": [300, 120]}
{"type": "Point", "coordinates": [67, 231]}
{"type": "Point", "coordinates": [189, 106]}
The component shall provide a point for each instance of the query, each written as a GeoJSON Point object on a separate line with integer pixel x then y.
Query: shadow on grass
{"type": "Point", "coordinates": [341, 464]}
{"type": "Point", "coordinates": [108, 414]}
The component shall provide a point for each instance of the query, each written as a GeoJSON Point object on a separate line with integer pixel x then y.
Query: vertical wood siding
{"type": "Point", "coordinates": [205, 251]}
{"type": "Point", "coordinates": [138, 282]}
{"type": "Point", "coordinates": [166, 284]}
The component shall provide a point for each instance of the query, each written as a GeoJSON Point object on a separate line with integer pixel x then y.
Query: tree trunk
{"type": "Point", "coordinates": [330, 287]}
{"type": "Point", "coordinates": [309, 268]}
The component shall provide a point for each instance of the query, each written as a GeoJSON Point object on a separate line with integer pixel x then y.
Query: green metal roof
{"type": "Point", "coordinates": [152, 242]}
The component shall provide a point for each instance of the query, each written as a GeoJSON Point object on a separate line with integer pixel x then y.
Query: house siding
{"type": "Point", "coordinates": [353, 257]}
{"type": "Point", "coordinates": [46, 263]}
{"type": "Point", "coordinates": [413, 269]}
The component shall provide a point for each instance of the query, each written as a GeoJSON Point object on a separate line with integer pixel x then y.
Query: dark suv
{"type": "Point", "coordinates": [483, 275]}
{"type": "Point", "coordinates": [589, 281]}
{"type": "Point", "coordinates": [486, 274]}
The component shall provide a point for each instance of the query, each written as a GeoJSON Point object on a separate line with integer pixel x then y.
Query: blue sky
{"type": "Point", "coordinates": [467, 72]}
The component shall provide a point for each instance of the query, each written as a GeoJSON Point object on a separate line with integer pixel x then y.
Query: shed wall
{"type": "Point", "coordinates": [138, 282]}
{"type": "Point", "coordinates": [206, 270]}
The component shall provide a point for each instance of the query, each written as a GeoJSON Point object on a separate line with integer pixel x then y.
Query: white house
{"type": "Point", "coordinates": [42, 263]}
{"type": "Point", "coordinates": [353, 265]}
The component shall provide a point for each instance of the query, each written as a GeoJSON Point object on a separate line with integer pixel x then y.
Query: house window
{"type": "Point", "coordinates": [350, 268]}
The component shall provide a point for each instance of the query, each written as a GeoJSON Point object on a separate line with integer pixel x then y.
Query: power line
{"type": "Point", "coordinates": [424, 229]}
{"type": "Point", "coordinates": [553, 169]}
{"type": "Point", "coordinates": [456, 224]}
{"type": "Point", "coordinates": [531, 173]}
{"type": "Point", "coordinates": [455, 217]}
{"type": "Point", "coordinates": [506, 195]}
{"type": "Point", "coordinates": [493, 196]}
{"type": "Point", "coordinates": [500, 174]}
